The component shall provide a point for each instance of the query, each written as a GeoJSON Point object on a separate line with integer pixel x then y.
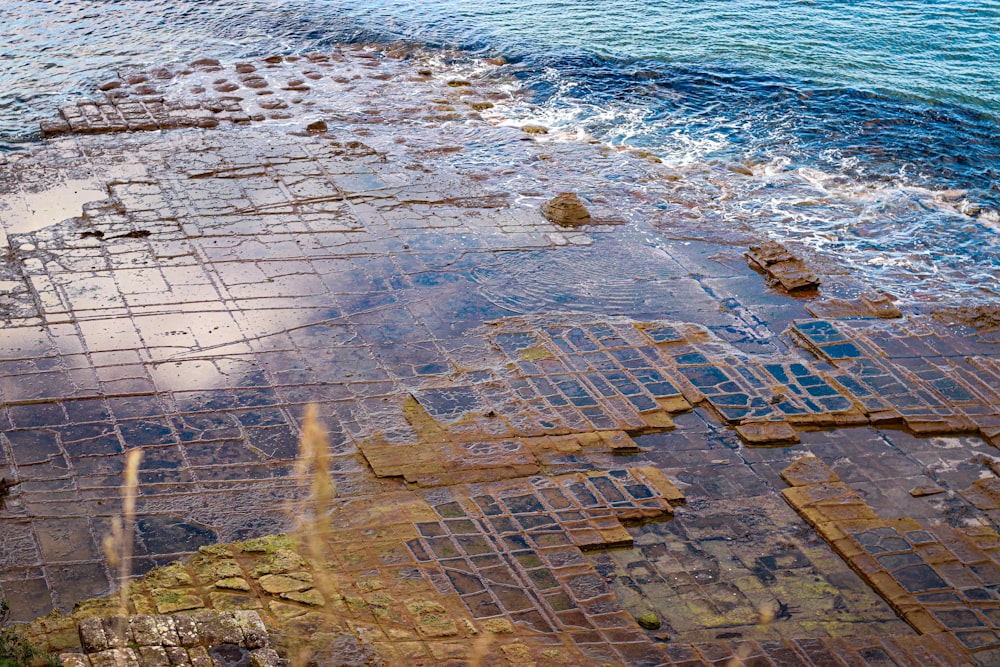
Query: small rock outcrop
{"type": "Point", "coordinates": [566, 210]}
{"type": "Point", "coordinates": [874, 305]}
{"type": "Point", "coordinates": [649, 621]}
{"type": "Point", "coordinates": [781, 267]}
{"type": "Point", "coordinates": [535, 129]}
{"type": "Point", "coordinates": [223, 639]}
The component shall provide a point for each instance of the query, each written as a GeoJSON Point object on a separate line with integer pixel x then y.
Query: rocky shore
{"type": "Point", "coordinates": [579, 413]}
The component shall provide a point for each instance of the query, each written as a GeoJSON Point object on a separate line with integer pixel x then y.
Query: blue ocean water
{"type": "Point", "coordinates": [883, 91]}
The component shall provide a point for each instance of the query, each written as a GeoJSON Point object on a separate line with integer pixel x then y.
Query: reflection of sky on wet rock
{"type": "Point", "coordinates": [238, 275]}
{"type": "Point", "coordinates": [403, 277]}
{"type": "Point", "coordinates": [194, 311]}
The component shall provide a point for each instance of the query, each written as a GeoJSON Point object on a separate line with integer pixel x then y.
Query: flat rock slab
{"type": "Point", "coordinates": [517, 408]}
{"type": "Point", "coordinates": [775, 433]}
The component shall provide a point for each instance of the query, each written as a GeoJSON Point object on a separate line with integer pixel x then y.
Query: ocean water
{"type": "Point", "coordinates": [875, 107]}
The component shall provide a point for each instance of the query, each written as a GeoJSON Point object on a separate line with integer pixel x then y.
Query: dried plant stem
{"type": "Point", "coordinates": [313, 512]}
{"type": "Point", "coordinates": [132, 460]}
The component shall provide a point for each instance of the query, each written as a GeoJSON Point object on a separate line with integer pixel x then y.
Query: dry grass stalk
{"type": "Point", "coordinates": [766, 616]}
{"type": "Point", "coordinates": [132, 460]}
{"type": "Point", "coordinates": [313, 512]}
{"type": "Point", "coordinates": [118, 545]}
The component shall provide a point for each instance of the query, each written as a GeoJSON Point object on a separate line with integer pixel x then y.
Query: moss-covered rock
{"type": "Point", "coordinates": [649, 620]}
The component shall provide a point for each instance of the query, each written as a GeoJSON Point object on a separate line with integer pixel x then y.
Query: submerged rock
{"type": "Point", "coordinates": [567, 210]}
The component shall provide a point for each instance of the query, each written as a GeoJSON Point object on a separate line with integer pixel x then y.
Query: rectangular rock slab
{"type": "Point", "coordinates": [775, 433]}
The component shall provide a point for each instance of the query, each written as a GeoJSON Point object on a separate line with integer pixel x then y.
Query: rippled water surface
{"type": "Point", "coordinates": [855, 100]}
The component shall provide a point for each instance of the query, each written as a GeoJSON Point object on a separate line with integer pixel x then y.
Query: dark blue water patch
{"type": "Point", "coordinates": [762, 116]}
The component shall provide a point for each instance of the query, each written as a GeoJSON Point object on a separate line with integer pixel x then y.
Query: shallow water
{"type": "Point", "coordinates": [851, 116]}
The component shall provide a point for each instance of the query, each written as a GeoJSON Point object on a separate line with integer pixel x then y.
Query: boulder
{"type": "Point", "coordinates": [566, 210]}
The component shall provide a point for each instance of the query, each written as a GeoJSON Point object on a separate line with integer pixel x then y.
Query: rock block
{"type": "Point", "coordinates": [774, 433]}
{"type": "Point", "coordinates": [781, 267]}
{"type": "Point", "coordinates": [566, 210]}
{"type": "Point", "coordinates": [92, 637]}
{"type": "Point", "coordinates": [808, 470]}
{"type": "Point", "coordinates": [74, 660]}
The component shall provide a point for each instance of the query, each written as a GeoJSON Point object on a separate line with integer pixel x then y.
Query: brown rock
{"type": "Point", "coordinates": [281, 583]}
{"type": "Point", "coordinates": [926, 490]}
{"type": "Point", "coordinates": [310, 597]}
{"type": "Point", "coordinates": [199, 657]}
{"type": "Point", "coordinates": [206, 63]}
{"type": "Point", "coordinates": [767, 433]}
{"type": "Point", "coordinates": [781, 267]}
{"type": "Point", "coordinates": [878, 306]}
{"type": "Point", "coordinates": [266, 657]}
{"type": "Point", "coordinates": [176, 655]}
{"type": "Point", "coordinates": [567, 210]}
{"type": "Point", "coordinates": [984, 494]}
{"type": "Point", "coordinates": [233, 584]}
{"type": "Point", "coordinates": [51, 128]}
{"type": "Point", "coordinates": [980, 317]}
{"type": "Point", "coordinates": [254, 632]}
{"type": "Point", "coordinates": [809, 470]}
{"type": "Point", "coordinates": [143, 630]}
{"type": "Point", "coordinates": [738, 168]}
{"type": "Point", "coordinates": [317, 126]}
{"type": "Point", "coordinates": [535, 129]}
{"type": "Point", "coordinates": [153, 656]}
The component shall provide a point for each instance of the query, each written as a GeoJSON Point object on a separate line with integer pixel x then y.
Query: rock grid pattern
{"type": "Point", "coordinates": [942, 580]}
{"type": "Point", "coordinates": [550, 444]}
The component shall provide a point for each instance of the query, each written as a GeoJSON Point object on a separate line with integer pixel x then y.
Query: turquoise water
{"type": "Point", "coordinates": [882, 92]}
{"type": "Point", "coordinates": [939, 52]}
{"type": "Point", "coordinates": [882, 88]}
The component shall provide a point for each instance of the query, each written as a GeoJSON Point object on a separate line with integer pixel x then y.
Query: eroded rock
{"type": "Point", "coordinates": [566, 210]}
{"type": "Point", "coordinates": [781, 267]}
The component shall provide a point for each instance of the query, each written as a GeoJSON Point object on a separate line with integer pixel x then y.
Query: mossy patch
{"type": "Point", "coordinates": [232, 602]}
{"type": "Point", "coordinates": [168, 601]}
{"type": "Point", "coordinates": [534, 353]}
{"type": "Point", "coordinates": [499, 626]}
{"type": "Point", "coordinates": [233, 584]}
{"type": "Point", "coordinates": [649, 620]}
{"type": "Point", "coordinates": [169, 576]}
{"type": "Point", "coordinates": [286, 583]}
{"type": "Point", "coordinates": [279, 561]}
{"type": "Point", "coordinates": [311, 597]}
{"type": "Point", "coordinates": [432, 619]}
{"type": "Point", "coordinates": [268, 544]}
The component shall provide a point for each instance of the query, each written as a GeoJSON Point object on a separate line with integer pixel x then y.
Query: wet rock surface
{"type": "Point", "coordinates": [543, 437]}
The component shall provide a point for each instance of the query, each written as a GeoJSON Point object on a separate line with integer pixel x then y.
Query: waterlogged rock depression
{"type": "Point", "coordinates": [366, 230]}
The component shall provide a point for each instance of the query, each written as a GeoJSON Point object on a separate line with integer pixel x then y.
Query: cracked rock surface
{"type": "Point", "coordinates": [552, 441]}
